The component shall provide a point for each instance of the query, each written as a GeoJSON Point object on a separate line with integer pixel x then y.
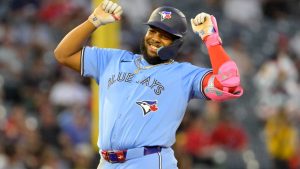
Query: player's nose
{"type": "Point", "coordinates": [156, 37]}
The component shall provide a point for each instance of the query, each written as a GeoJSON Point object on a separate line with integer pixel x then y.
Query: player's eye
{"type": "Point", "coordinates": [152, 31]}
{"type": "Point", "coordinates": [165, 37]}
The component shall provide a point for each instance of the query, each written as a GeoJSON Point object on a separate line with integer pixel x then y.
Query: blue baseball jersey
{"type": "Point", "coordinates": [144, 108]}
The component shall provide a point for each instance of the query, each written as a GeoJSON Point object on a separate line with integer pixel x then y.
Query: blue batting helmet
{"type": "Point", "coordinates": [172, 21]}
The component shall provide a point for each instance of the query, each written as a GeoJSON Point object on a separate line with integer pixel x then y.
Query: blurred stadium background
{"type": "Point", "coordinates": [45, 109]}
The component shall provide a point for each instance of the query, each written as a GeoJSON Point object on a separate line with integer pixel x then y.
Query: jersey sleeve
{"type": "Point", "coordinates": [197, 80]}
{"type": "Point", "coordinates": [193, 79]}
{"type": "Point", "coordinates": [95, 60]}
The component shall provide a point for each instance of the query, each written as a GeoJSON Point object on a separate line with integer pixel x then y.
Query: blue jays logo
{"type": "Point", "coordinates": [165, 15]}
{"type": "Point", "coordinates": [148, 106]}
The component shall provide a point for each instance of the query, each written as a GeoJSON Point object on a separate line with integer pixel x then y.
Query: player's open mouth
{"type": "Point", "coordinates": [153, 48]}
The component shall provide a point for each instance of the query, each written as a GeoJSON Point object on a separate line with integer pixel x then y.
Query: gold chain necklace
{"type": "Point", "coordinates": [139, 67]}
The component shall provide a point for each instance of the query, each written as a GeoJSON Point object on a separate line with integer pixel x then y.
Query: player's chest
{"type": "Point", "coordinates": [134, 82]}
{"type": "Point", "coordinates": [128, 76]}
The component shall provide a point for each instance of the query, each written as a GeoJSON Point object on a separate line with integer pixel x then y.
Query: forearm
{"type": "Point", "coordinates": [217, 56]}
{"type": "Point", "coordinates": [68, 51]}
{"type": "Point", "coordinates": [225, 78]}
{"type": "Point", "coordinates": [74, 41]}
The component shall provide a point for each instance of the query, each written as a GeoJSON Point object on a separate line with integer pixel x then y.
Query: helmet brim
{"type": "Point", "coordinates": [162, 26]}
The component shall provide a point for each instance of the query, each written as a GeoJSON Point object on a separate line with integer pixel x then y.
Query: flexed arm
{"type": "Point", "coordinates": [68, 51]}
{"type": "Point", "coordinates": [224, 82]}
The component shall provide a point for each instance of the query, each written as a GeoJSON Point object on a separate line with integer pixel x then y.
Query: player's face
{"type": "Point", "coordinates": [154, 39]}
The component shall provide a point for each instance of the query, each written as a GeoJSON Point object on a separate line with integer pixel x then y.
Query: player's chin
{"type": "Point", "coordinates": [151, 53]}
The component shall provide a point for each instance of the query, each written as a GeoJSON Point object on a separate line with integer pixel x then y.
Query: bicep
{"type": "Point", "coordinates": [74, 61]}
{"type": "Point", "coordinates": [205, 80]}
{"type": "Point", "coordinates": [199, 78]}
{"type": "Point", "coordinates": [205, 83]}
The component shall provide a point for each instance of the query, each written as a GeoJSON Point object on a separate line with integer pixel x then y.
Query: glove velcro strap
{"type": "Point", "coordinates": [212, 40]}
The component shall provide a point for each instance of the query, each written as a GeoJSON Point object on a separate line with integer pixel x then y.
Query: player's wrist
{"type": "Point", "coordinates": [95, 20]}
{"type": "Point", "coordinates": [205, 31]}
{"type": "Point", "coordinates": [212, 40]}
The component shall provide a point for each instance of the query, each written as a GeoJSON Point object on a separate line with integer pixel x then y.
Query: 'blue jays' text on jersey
{"type": "Point", "coordinates": [142, 109]}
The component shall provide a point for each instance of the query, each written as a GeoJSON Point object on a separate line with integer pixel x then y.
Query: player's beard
{"type": "Point", "coordinates": [151, 60]}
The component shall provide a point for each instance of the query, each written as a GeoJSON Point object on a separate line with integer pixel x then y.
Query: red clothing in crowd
{"type": "Point", "coordinates": [229, 135]}
{"type": "Point", "coordinates": [197, 141]}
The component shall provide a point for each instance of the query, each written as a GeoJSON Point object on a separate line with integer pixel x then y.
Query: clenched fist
{"type": "Point", "coordinates": [106, 12]}
{"type": "Point", "coordinates": [206, 27]}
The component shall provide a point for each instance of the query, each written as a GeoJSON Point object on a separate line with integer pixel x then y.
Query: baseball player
{"type": "Point", "coordinates": [143, 97]}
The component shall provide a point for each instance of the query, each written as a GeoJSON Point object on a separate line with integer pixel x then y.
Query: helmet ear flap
{"type": "Point", "coordinates": [171, 51]}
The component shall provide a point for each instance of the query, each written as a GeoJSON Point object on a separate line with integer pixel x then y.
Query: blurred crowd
{"type": "Point", "coordinates": [45, 111]}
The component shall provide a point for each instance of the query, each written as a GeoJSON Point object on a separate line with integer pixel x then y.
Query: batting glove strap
{"type": "Point", "coordinates": [212, 40]}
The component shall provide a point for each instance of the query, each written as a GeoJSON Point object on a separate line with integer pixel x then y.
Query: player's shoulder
{"type": "Point", "coordinates": [112, 52]}
{"type": "Point", "coordinates": [186, 65]}
{"type": "Point", "coordinates": [122, 53]}
{"type": "Point", "coordinates": [187, 68]}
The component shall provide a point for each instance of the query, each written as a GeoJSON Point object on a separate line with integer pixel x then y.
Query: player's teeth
{"type": "Point", "coordinates": [154, 47]}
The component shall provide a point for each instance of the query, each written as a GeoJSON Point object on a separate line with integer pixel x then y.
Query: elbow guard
{"type": "Point", "coordinates": [229, 77]}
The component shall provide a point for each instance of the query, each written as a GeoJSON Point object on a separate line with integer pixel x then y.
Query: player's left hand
{"type": "Point", "coordinates": [205, 26]}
